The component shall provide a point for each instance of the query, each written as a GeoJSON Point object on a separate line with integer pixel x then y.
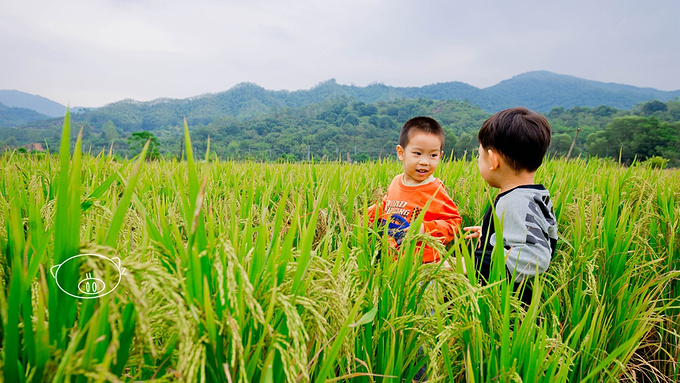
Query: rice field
{"type": "Point", "coordinates": [250, 272]}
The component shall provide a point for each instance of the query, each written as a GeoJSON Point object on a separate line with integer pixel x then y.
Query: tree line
{"type": "Point", "coordinates": [648, 130]}
{"type": "Point", "coordinates": [346, 129]}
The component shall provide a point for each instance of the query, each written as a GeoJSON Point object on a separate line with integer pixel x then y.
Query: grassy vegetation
{"type": "Point", "coordinates": [241, 271]}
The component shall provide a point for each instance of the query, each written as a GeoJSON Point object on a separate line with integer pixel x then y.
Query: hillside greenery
{"type": "Point", "coordinates": [346, 129]}
{"type": "Point", "coordinates": [650, 129]}
{"type": "Point", "coordinates": [330, 130]}
{"type": "Point", "coordinates": [538, 90]}
{"type": "Point", "coordinates": [13, 116]}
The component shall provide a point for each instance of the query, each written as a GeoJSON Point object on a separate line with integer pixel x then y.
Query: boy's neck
{"type": "Point", "coordinates": [513, 180]}
{"type": "Point", "coordinates": [411, 183]}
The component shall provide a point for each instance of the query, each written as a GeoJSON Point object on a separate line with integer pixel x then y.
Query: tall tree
{"type": "Point", "coordinates": [636, 137]}
{"type": "Point", "coordinates": [137, 140]}
{"type": "Point", "coordinates": [110, 132]}
{"type": "Point", "coordinates": [560, 144]}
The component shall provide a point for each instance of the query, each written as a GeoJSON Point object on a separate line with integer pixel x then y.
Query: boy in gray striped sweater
{"type": "Point", "coordinates": [512, 144]}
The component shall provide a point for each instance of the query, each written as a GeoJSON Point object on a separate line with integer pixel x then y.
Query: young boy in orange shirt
{"type": "Point", "coordinates": [420, 149]}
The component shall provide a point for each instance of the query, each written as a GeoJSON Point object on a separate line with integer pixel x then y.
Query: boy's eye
{"type": "Point", "coordinates": [416, 153]}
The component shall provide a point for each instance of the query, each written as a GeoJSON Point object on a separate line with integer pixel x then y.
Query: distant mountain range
{"type": "Point", "coordinates": [539, 90]}
{"type": "Point", "coordinates": [542, 91]}
{"type": "Point", "coordinates": [42, 105]}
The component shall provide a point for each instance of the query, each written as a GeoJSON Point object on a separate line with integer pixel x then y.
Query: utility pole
{"type": "Point", "coordinates": [573, 143]}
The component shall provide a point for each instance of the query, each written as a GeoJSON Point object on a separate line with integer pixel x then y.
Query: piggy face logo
{"type": "Point", "coordinates": [88, 276]}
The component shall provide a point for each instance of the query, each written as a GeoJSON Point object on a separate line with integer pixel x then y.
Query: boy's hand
{"type": "Point", "coordinates": [475, 232]}
{"type": "Point", "coordinates": [447, 266]}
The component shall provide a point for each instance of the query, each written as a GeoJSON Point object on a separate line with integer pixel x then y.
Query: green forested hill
{"type": "Point", "coordinates": [343, 128]}
{"type": "Point", "coordinates": [539, 91]}
{"type": "Point", "coordinates": [17, 116]}
{"type": "Point", "coordinates": [336, 121]}
{"type": "Point", "coordinates": [331, 129]}
{"type": "Point", "coordinates": [338, 129]}
{"type": "Point", "coordinates": [334, 129]}
{"type": "Point", "coordinates": [247, 101]}
{"type": "Point", "coordinates": [543, 91]}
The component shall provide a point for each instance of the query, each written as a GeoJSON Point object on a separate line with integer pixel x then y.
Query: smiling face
{"type": "Point", "coordinates": [420, 157]}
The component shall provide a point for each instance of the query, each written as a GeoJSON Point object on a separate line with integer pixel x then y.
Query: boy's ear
{"type": "Point", "coordinates": [494, 159]}
{"type": "Point", "coordinates": [400, 152]}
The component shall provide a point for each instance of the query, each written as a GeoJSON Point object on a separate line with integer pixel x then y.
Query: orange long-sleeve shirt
{"type": "Point", "coordinates": [441, 219]}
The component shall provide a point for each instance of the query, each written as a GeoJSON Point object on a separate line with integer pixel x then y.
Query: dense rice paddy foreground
{"type": "Point", "coordinates": [255, 272]}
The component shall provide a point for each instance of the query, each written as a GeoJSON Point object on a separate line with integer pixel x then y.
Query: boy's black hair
{"type": "Point", "coordinates": [519, 135]}
{"type": "Point", "coordinates": [422, 124]}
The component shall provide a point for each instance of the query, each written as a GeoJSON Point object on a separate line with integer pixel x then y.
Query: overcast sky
{"type": "Point", "coordinates": [93, 52]}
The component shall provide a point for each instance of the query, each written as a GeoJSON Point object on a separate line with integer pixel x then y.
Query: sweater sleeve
{"type": "Point", "coordinates": [445, 221]}
{"type": "Point", "coordinates": [375, 210]}
{"type": "Point", "coordinates": [522, 238]}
